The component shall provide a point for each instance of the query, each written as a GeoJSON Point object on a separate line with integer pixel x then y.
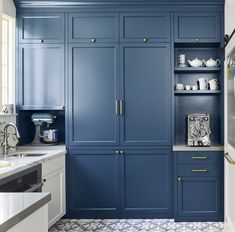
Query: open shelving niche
{"type": "Point", "coordinates": [198, 101]}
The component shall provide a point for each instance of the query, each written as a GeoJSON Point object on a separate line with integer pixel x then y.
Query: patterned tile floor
{"type": "Point", "coordinates": [134, 225]}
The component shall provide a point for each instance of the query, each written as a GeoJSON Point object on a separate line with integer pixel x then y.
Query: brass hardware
{"type": "Point", "coordinates": [117, 107]}
{"type": "Point", "coordinates": [121, 105]}
{"type": "Point", "coordinates": [117, 152]}
{"type": "Point", "coordinates": [200, 170]}
{"type": "Point", "coordinates": [121, 152]}
{"type": "Point", "coordinates": [93, 40]}
{"type": "Point", "coordinates": [197, 40]}
{"type": "Point", "coordinates": [63, 107]}
{"type": "Point", "coordinates": [41, 41]}
{"type": "Point", "coordinates": [145, 40]}
{"type": "Point", "coordinates": [200, 157]}
{"type": "Point", "coordinates": [179, 178]}
{"type": "Point", "coordinates": [44, 180]}
{"type": "Point", "coordinates": [228, 158]}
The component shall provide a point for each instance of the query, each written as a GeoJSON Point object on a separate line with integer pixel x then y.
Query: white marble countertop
{"type": "Point", "coordinates": [14, 207]}
{"type": "Point", "coordinates": [21, 163]}
{"type": "Point", "coordinates": [184, 147]}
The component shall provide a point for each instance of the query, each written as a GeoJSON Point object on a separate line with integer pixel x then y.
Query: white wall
{"type": "Point", "coordinates": [229, 16]}
{"type": "Point", "coordinates": [9, 8]}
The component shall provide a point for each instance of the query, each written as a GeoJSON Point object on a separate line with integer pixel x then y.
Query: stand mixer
{"type": "Point", "coordinates": [49, 136]}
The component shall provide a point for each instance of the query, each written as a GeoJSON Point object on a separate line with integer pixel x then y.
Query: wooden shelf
{"type": "Point", "coordinates": [184, 147]}
{"type": "Point", "coordinates": [196, 70]}
{"type": "Point", "coordinates": [191, 92]}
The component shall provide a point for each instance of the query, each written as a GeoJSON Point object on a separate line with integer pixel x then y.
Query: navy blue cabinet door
{"type": "Point", "coordinates": [93, 94]}
{"type": "Point", "coordinates": [92, 184]}
{"type": "Point", "coordinates": [146, 182]}
{"type": "Point", "coordinates": [41, 28]}
{"type": "Point", "coordinates": [145, 27]}
{"type": "Point", "coordinates": [199, 197]}
{"type": "Point", "coordinates": [93, 27]}
{"type": "Point", "coordinates": [197, 27]}
{"type": "Point", "coordinates": [146, 94]}
{"type": "Point", "coordinates": [41, 77]}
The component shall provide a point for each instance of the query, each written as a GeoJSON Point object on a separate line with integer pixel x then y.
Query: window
{"type": "Point", "coordinates": [7, 95]}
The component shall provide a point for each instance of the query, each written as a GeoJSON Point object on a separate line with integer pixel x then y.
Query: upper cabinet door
{"type": "Point", "coordinates": [41, 76]}
{"type": "Point", "coordinates": [93, 119]}
{"type": "Point", "coordinates": [93, 27]}
{"type": "Point", "coordinates": [145, 27]}
{"type": "Point", "coordinates": [41, 28]}
{"type": "Point", "coordinates": [146, 94]}
{"type": "Point", "coordinates": [197, 27]}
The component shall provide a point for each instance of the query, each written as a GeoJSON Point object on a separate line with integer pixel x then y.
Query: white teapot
{"type": "Point", "coordinates": [196, 63]}
{"type": "Point", "coordinates": [213, 63]}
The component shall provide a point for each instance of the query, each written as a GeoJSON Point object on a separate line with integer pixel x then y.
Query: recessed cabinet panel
{"type": "Point", "coordinates": [93, 184]}
{"type": "Point", "coordinates": [146, 94]}
{"type": "Point", "coordinates": [199, 197]}
{"type": "Point", "coordinates": [197, 27]}
{"type": "Point", "coordinates": [41, 77]}
{"type": "Point", "coordinates": [93, 84]}
{"type": "Point", "coordinates": [41, 28]}
{"type": "Point", "coordinates": [145, 27]}
{"type": "Point", "coordinates": [93, 27]}
{"type": "Point", "coordinates": [146, 181]}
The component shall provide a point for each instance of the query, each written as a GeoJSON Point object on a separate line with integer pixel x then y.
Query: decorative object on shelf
{"type": "Point", "coordinates": [196, 63]}
{"type": "Point", "coordinates": [182, 60]}
{"type": "Point", "coordinates": [214, 84]}
{"type": "Point", "coordinates": [179, 86]}
{"type": "Point", "coordinates": [212, 63]}
{"type": "Point", "coordinates": [188, 87]}
{"type": "Point", "coordinates": [194, 87]}
{"type": "Point", "coordinates": [198, 129]}
{"type": "Point", "coordinates": [203, 83]}
{"type": "Point", "coordinates": [8, 108]}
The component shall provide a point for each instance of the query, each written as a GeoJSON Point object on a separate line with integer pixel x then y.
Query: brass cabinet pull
{"type": "Point", "coordinates": [199, 170]}
{"type": "Point", "coordinates": [228, 158]}
{"type": "Point", "coordinates": [121, 152]}
{"type": "Point", "coordinates": [197, 40]}
{"type": "Point", "coordinates": [93, 40]}
{"type": "Point", "coordinates": [121, 107]}
{"type": "Point", "coordinates": [179, 178]}
{"type": "Point", "coordinates": [145, 40]}
{"type": "Point", "coordinates": [117, 103]}
{"type": "Point", "coordinates": [117, 152]}
{"type": "Point", "coordinates": [200, 157]}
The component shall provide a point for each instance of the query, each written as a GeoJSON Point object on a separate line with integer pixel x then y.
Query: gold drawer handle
{"type": "Point", "coordinates": [228, 158]}
{"type": "Point", "coordinates": [200, 157]}
{"type": "Point", "coordinates": [200, 170]}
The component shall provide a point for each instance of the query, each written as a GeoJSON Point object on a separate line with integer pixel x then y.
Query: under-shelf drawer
{"type": "Point", "coordinates": [199, 169]}
{"type": "Point", "coordinates": [200, 157]}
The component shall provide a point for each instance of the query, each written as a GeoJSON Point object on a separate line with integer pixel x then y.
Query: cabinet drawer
{"type": "Point", "coordinates": [197, 27]}
{"type": "Point", "coordinates": [199, 157]}
{"type": "Point", "coordinates": [199, 169]}
{"type": "Point", "coordinates": [93, 27]}
{"type": "Point", "coordinates": [41, 28]}
{"type": "Point", "coordinates": [145, 27]}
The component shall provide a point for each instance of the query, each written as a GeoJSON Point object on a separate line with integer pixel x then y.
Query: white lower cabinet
{"type": "Point", "coordinates": [53, 176]}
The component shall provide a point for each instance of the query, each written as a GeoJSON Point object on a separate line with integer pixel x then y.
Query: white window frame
{"type": "Point", "coordinates": [10, 60]}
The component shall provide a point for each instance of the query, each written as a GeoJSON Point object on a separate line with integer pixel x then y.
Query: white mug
{"type": "Point", "coordinates": [187, 87]}
{"type": "Point", "coordinates": [203, 83]}
{"type": "Point", "coordinates": [194, 87]}
{"type": "Point", "coordinates": [214, 84]}
{"type": "Point", "coordinates": [179, 86]}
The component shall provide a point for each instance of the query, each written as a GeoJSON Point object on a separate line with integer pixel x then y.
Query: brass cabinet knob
{"type": "Point", "coordinates": [41, 41]}
{"type": "Point", "coordinates": [179, 178]}
{"type": "Point", "coordinates": [117, 152]}
{"type": "Point", "coordinates": [44, 180]}
{"type": "Point", "coordinates": [93, 40]}
{"type": "Point", "coordinates": [197, 40]}
{"type": "Point", "coordinates": [145, 40]}
{"type": "Point", "coordinates": [121, 152]}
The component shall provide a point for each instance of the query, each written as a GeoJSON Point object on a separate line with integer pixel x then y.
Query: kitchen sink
{"type": "Point", "coordinates": [28, 154]}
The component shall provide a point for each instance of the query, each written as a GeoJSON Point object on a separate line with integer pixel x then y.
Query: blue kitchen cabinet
{"type": "Point", "coordinates": [146, 183]}
{"type": "Point", "coordinates": [145, 94]}
{"type": "Point", "coordinates": [93, 27]}
{"type": "Point", "coordinates": [199, 27]}
{"type": "Point", "coordinates": [93, 116]}
{"type": "Point", "coordinates": [41, 28]}
{"type": "Point", "coordinates": [199, 186]}
{"type": "Point", "coordinates": [92, 184]}
{"type": "Point", "coordinates": [41, 77]}
{"type": "Point", "coordinates": [145, 27]}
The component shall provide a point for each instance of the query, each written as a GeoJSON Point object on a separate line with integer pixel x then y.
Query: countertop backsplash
{"type": "Point", "coordinates": [4, 119]}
